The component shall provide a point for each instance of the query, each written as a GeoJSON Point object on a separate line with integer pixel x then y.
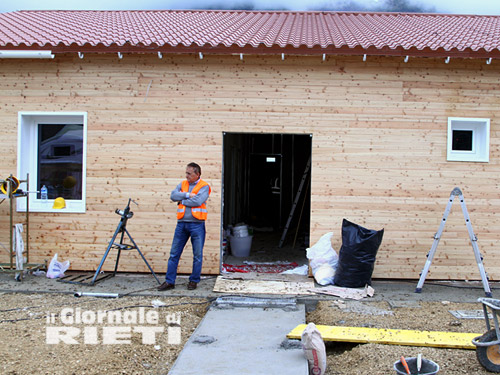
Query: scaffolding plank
{"type": "Point", "coordinates": [457, 340]}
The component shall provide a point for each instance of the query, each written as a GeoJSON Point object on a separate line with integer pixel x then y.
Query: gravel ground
{"type": "Point", "coordinates": [377, 359]}
{"type": "Point", "coordinates": [23, 319]}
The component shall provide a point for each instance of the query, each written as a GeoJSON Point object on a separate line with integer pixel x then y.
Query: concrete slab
{"type": "Point", "coordinates": [133, 284]}
{"type": "Point", "coordinates": [244, 340]}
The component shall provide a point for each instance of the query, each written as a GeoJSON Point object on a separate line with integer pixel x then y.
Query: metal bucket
{"type": "Point", "coordinates": [428, 367]}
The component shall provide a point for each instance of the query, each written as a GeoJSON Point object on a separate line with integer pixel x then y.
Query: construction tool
{"type": "Point", "coordinates": [405, 365]}
{"type": "Point", "coordinates": [473, 239]}
{"type": "Point", "coordinates": [121, 229]}
{"type": "Point", "coordinates": [14, 185]}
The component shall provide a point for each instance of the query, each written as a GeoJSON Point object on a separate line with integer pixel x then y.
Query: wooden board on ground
{"type": "Point", "coordinates": [345, 293]}
{"type": "Point", "coordinates": [225, 285]}
{"type": "Point", "coordinates": [457, 340]}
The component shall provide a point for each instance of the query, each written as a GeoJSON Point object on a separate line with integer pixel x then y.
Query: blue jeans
{"type": "Point", "coordinates": [184, 230]}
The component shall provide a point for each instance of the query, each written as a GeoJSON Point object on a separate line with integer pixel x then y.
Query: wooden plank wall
{"type": "Point", "coordinates": [379, 148]}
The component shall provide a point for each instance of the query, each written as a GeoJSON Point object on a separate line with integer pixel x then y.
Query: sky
{"type": "Point", "coordinates": [491, 7]}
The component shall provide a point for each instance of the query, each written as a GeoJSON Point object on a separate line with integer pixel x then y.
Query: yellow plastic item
{"type": "Point", "coordinates": [15, 184]}
{"type": "Point", "coordinates": [438, 339]}
{"type": "Point", "coordinates": [59, 203]}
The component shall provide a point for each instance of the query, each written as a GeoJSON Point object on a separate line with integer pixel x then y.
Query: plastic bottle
{"type": "Point", "coordinates": [44, 194]}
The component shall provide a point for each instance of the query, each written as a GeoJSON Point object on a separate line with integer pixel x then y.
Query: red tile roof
{"type": "Point", "coordinates": [252, 32]}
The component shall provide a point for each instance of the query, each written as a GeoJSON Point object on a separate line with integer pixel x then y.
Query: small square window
{"type": "Point", "coordinates": [468, 139]}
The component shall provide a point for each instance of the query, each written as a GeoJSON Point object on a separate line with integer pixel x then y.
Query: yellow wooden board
{"type": "Point", "coordinates": [458, 340]}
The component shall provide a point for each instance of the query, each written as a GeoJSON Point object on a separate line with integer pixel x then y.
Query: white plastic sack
{"type": "Point", "coordinates": [324, 274]}
{"type": "Point", "coordinates": [322, 253]}
{"type": "Point", "coordinates": [300, 270]}
{"type": "Point", "coordinates": [19, 248]}
{"type": "Point", "coordinates": [56, 268]}
{"type": "Point", "coordinates": [314, 349]}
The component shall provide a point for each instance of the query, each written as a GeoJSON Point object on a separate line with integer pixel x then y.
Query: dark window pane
{"type": "Point", "coordinates": [60, 157]}
{"type": "Point", "coordinates": [462, 140]}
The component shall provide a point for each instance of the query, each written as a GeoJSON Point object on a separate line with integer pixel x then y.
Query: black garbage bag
{"type": "Point", "coordinates": [357, 255]}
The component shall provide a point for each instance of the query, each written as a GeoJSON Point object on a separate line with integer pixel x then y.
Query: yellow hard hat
{"type": "Point", "coordinates": [15, 184]}
{"type": "Point", "coordinates": [59, 203]}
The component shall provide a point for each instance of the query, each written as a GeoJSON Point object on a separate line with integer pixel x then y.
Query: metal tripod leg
{"type": "Point", "coordinates": [142, 256]}
{"type": "Point", "coordinates": [119, 252]}
{"type": "Point", "coordinates": [455, 192]}
{"type": "Point", "coordinates": [122, 230]}
{"type": "Point", "coordinates": [110, 245]}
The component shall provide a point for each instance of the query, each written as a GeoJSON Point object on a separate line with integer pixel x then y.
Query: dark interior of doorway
{"type": "Point", "coordinates": [262, 177]}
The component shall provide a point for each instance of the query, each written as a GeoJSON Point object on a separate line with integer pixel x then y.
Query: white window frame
{"type": "Point", "coordinates": [480, 128]}
{"type": "Point", "coordinates": [27, 154]}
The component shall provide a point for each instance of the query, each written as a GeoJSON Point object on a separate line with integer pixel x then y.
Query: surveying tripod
{"type": "Point", "coordinates": [122, 230]}
{"type": "Point", "coordinates": [473, 239]}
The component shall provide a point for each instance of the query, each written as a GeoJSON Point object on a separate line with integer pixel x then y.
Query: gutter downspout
{"type": "Point", "coordinates": [27, 54]}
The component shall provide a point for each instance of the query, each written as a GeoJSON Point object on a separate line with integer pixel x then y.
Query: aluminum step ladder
{"type": "Point", "coordinates": [473, 239]}
{"type": "Point", "coordinates": [295, 202]}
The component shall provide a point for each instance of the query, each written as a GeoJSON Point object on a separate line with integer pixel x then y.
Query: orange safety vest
{"type": "Point", "coordinates": [199, 212]}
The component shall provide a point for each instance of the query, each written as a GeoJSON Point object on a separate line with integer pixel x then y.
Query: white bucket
{"type": "Point", "coordinates": [240, 246]}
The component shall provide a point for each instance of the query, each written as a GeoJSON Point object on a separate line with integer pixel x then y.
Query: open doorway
{"type": "Point", "coordinates": [266, 187]}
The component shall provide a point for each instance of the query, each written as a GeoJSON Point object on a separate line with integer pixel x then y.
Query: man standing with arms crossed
{"type": "Point", "coordinates": [190, 195]}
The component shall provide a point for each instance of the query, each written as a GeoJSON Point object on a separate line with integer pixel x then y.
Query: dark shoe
{"type": "Point", "coordinates": [166, 286]}
{"type": "Point", "coordinates": [192, 285]}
